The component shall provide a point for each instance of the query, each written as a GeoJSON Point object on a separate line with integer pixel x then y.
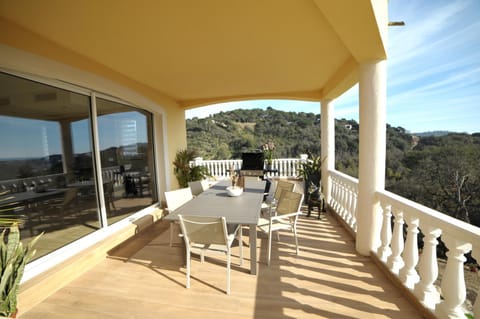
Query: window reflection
{"type": "Point", "coordinates": [126, 151]}
{"type": "Point", "coordinates": [46, 166]}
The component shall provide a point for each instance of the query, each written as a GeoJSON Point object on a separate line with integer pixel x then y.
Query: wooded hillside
{"type": "Point", "coordinates": [441, 172]}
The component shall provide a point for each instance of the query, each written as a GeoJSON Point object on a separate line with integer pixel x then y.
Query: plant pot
{"type": "Point", "coordinates": [234, 191]}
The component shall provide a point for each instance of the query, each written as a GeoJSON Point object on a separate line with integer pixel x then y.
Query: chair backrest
{"type": "Point", "coordinates": [283, 186]}
{"type": "Point", "coordinates": [204, 230]}
{"type": "Point", "coordinates": [177, 198]}
{"type": "Point", "coordinates": [70, 196]}
{"type": "Point", "coordinates": [198, 187]}
{"type": "Point", "coordinates": [289, 202]}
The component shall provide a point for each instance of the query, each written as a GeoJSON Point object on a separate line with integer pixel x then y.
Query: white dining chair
{"type": "Point", "coordinates": [208, 234]}
{"type": "Point", "coordinates": [175, 199]}
{"type": "Point", "coordinates": [198, 187]}
{"type": "Point", "coordinates": [285, 218]}
{"type": "Point", "coordinates": [268, 206]}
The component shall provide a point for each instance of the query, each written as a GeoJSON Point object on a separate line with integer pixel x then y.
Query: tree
{"type": "Point", "coordinates": [444, 178]}
{"type": "Point", "coordinates": [186, 173]}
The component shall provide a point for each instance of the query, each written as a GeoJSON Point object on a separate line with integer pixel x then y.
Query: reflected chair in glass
{"type": "Point", "coordinates": [285, 218]}
{"type": "Point", "coordinates": [198, 187]}
{"type": "Point", "coordinates": [63, 208]}
{"type": "Point", "coordinates": [209, 234]}
{"type": "Point", "coordinates": [268, 206]}
{"type": "Point", "coordinates": [175, 199]}
{"type": "Point", "coordinates": [108, 190]}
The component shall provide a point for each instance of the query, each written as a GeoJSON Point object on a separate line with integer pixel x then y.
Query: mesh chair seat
{"type": "Point", "coordinates": [209, 234]}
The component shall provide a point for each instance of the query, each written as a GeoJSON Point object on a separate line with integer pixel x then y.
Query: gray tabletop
{"type": "Point", "coordinates": [244, 209]}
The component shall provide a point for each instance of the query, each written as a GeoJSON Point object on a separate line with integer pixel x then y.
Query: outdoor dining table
{"type": "Point", "coordinates": [243, 209]}
{"type": "Point", "coordinates": [30, 196]}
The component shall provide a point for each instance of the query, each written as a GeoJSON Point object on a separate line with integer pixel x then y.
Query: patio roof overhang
{"type": "Point", "coordinates": [202, 52]}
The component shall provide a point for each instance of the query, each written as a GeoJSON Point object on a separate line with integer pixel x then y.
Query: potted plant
{"type": "Point", "coordinates": [311, 171]}
{"type": "Point", "coordinates": [13, 258]}
{"type": "Point", "coordinates": [184, 171]}
{"type": "Point", "coordinates": [268, 151]}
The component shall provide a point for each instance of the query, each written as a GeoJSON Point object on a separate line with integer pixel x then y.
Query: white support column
{"type": "Point", "coordinates": [372, 153]}
{"type": "Point", "coordinates": [67, 149]}
{"type": "Point", "coordinates": [328, 146]}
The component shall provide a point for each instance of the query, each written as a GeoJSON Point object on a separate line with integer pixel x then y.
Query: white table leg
{"type": "Point", "coordinates": [253, 248]}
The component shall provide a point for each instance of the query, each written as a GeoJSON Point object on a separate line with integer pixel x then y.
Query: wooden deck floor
{"type": "Point", "coordinates": [145, 278]}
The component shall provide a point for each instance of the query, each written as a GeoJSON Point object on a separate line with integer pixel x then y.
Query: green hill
{"type": "Point", "coordinates": [441, 172]}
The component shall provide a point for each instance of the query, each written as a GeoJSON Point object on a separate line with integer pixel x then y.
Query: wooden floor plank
{"type": "Point", "coordinates": [145, 278]}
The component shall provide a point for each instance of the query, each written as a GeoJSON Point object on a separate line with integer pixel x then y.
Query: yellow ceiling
{"type": "Point", "coordinates": [198, 52]}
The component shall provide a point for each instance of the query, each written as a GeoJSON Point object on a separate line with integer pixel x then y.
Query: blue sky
{"type": "Point", "coordinates": [433, 71]}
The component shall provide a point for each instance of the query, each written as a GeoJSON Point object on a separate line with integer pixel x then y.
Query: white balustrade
{"type": "Point", "coordinates": [344, 197]}
{"type": "Point", "coordinates": [112, 174]}
{"type": "Point", "coordinates": [459, 238]}
{"type": "Point", "coordinates": [285, 167]}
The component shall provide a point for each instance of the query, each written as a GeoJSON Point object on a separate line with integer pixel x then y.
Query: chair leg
{"type": "Point", "coordinates": [188, 268]}
{"type": "Point", "coordinates": [228, 272]}
{"type": "Point", "coordinates": [240, 244]}
{"type": "Point", "coordinates": [171, 234]}
{"type": "Point", "coordinates": [269, 247]}
{"type": "Point", "coordinates": [296, 238]}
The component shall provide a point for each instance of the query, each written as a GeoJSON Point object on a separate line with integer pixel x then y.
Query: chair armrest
{"type": "Point", "coordinates": [286, 215]}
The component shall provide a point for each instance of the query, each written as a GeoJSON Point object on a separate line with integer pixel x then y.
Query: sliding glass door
{"type": "Point", "coordinates": [48, 176]}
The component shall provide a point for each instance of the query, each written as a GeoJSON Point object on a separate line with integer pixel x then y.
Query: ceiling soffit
{"type": "Point", "coordinates": [198, 51]}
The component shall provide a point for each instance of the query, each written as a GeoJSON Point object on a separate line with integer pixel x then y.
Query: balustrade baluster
{"type": "Point", "coordinates": [395, 261]}
{"type": "Point", "coordinates": [408, 275]}
{"type": "Point", "coordinates": [348, 205]}
{"type": "Point", "coordinates": [344, 200]}
{"type": "Point", "coordinates": [345, 203]}
{"type": "Point", "coordinates": [211, 167]}
{"type": "Point", "coordinates": [341, 189]}
{"type": "Point", "coordinates": [384, 251]}
{"type": "Point", "coordinates": [425, 290]}
{"type": "Point", "coordinates": [334, 197]}
{"type": "Point", "coordinates": [354, 208]}
{"type": "Point", "coordinates": [222, 168]}
{"type": "Point", "coordinates": [453, 280]}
